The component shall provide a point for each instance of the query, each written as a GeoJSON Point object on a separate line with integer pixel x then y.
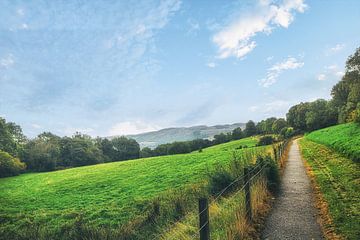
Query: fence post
{"type": "Point", "coordinates": [275, 153]}
{"type": "Point", "coordinates": [204, 219]}
{"type": "Point", "coordinates": [247, 195]}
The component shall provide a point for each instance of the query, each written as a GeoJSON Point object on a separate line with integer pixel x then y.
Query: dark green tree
{"type": "Point", "coordinates": [237, 133]}
{"type": "Point", "coordinates": [250, 129]}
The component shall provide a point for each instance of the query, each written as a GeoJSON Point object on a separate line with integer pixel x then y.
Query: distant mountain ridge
{"type": "Point", "coordinates": [168, 135]}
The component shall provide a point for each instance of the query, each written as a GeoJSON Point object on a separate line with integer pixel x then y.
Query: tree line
{"type": "Point", "coordinates": [49, 152]}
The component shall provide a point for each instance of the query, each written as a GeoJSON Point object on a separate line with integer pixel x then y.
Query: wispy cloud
{"type": "Point", "coordinates": [236, 39]}
{"type": "Point", "coordinates": [274, 72]}
{"type": "Point", "coordinates": [330, 72]}
{"type": "Point", "coordinates": [7, 61]}
{"type": "Point", "coordinates": [321, 77]}
{"type": "Point", "coordinates": [131, 127]}
{"type": "Point", "coordinates": [337, 47]}
{"type": "Point", "coordinates": [211, 64]}
{"type": "Point", "coordinates": [274, 108]}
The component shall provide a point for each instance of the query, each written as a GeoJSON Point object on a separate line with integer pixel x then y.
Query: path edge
{"type": "Point", "coordinates": [323, 216]}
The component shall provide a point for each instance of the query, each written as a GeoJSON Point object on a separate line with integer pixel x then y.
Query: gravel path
{"type": "Point", "coordinates": [293, 215]}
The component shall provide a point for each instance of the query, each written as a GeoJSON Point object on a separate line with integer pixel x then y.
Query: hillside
{"type": "Point", "coordinates": [167, 135]}
{"type": "Point", "coordinates": [330, 154]}
{"type": "Point", "coordinates": [104, 194]}
{"type": "Point", "coordinates": [344, 138]}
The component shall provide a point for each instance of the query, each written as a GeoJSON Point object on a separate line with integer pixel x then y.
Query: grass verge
{"type": "Point", "coordinates": [337, 182]}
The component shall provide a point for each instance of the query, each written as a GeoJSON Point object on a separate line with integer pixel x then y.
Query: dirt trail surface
{"type": "Point", "coordinates": [293, 215]}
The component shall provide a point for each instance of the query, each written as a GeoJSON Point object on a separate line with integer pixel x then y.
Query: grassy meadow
{"type": "Point", "coordinates": [344, 138]}
{"type": "Point", "coordinates": [337, 176]}
{"type": "Point", "coordinates": [105, 195]}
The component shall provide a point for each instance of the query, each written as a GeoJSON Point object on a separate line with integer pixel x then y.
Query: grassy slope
{"type": "Point", "coordinates": [344, 138]}
{"type": "Point", "coordinates": [105, 193]}
{"type": "Point", "coordinates": [337, 176]}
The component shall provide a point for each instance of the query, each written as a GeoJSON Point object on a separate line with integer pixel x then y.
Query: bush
{"type": "Point", "coordinates": [272, 174]}
{"type": "Point", "coordinates": [10, 166]}
{"type": "Point", "coordinates": [219, 181]}
{"type": "Point", "coordinates": [265, 140]}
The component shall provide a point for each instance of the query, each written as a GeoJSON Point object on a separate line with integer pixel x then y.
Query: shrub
{"type": "Point", "coordinates": [220, 180]}
{"type": "Point", "coordinates": [10, 166]}
{"type": "Point", "coordinates": [272, 174]}
{"type": "Point", "coordinates": [265, 140]}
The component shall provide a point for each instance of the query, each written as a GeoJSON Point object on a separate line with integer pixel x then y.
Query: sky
{"type": "Point", "coordinates": [125, 67]}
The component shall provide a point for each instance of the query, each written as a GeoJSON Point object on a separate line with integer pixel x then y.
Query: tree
{"type": "Point", "coordinates": [296, 116]}
{"type": "Point", "coordinates": [162, 149]}
{"type": "Point", "coordinates": [10, 166]}
{"type": "Point", "coordinates": [346, 93]}
{"type": "Point", "coordinates": [80, 150]}
{"type": "Point", "coordinates": [146, 152]}
{"type": "Point", "coordinates": [278, 124]}
{"type": "Point", "coordinates": [250, 129]}
{"type": "Point", "coordinates": [125, 148]}
{"type": "Point", "coordinates": [179, 147]}
{"type": "Point", "coordinates": [237, 133]}
{"type": "Point", "coordinates": [42, 153]}
{"type": "Point", "coordinates": [11, 137]}
{"type": "Point", "coordinates": [220, 138]}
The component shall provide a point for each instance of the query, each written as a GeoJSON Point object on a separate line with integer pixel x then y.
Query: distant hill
{"type": "Point", "coordinates": [167, 135]}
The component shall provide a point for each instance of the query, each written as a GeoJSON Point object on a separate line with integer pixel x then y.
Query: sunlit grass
{"type": "Point", "coordinates": [105, 195]}
{"type": "Point", "coordinates": [339, 181]}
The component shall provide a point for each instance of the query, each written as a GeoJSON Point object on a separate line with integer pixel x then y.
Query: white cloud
{"type": "Point", "coordinates": [337, 48]}
{"type": "Point", "coordinates": [236, 38]}
{"type": "Point", "coordinates": [7, 61]}
{"type": "Point", "coordinates": [24, 26]}
{"type": "Point", "coordinates": [276, 106]}
{"type": "Point", "coordinates": [133, 127]}
{"type": "Point", "coordinates": [211, 64]}
{"type": "Point", "coordinates": [330, 71]}
{"type": "Point", "coordinates": [273, 107]}
{"type": "Point", "coordinates": [20, 12]}
{"type": "Point", "coordinates": [254, 108]}
{"type": "Point", "coordinates": [270, 58]}
{"type": "Point", "coordinates": [339, 74]}
{"type": "Point", "coordinates": [321, 77]}
{"type": "Point", "coordinates": [274, 72]}
{"type": "Point", "coordinates": [36, 126]}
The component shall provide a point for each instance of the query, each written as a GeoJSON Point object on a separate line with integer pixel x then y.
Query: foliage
{"type": "Point", "coordinates": [250, 129]}
{"type": "Point", "coordinates": [278, 125]}
{"type": "Point", "coordinates": [265, 126]}
{"type": "Point", "coordinates": [310, 116]}
{"type": "Point", "coordinates": [272, 174]}
{"type": "Point", "coordinates": [10, 166]}
{"type": "Point", "coordinates": [338, 181]}
{"type": "Point", "coordinates": [237, 134]}
{"type": "Point", "coordinates": [219, 181]}
{"type": "Point", "coordinates": [266, 140]}
{"type": "Point", "coordinates": [105, 195]}
{"type": "Point", "coordinates": [11, 137]}
{"type": "Point", "coordinates": [179, 147]}
{"type": "Point", "coordinates": [346, 93]}
{"type": "Point", "coordinates": [344, 138]}
{"type": "Point", "coordinates": [146, 152]}
{"type": "Point", "coordinates": [43, 153]}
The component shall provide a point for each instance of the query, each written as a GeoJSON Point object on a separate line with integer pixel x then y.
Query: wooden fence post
{"type": "Point", "coordinates": [204, 219]}
{"type": "Point", "coordinates": [247, 195]}
{"type": "Point", "coordinates": [275, 153]}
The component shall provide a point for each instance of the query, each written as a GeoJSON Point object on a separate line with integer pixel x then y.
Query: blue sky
{"type": "Point", "coordinates": [121, 67]}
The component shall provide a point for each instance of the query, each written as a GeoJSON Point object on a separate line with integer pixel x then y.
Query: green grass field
{"type": "Point", "coordinates": [105, 194]}
{"type": "Point", "coordinates": [337, 176]}
{"type": "Point", "coordinates": [344, 138]}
